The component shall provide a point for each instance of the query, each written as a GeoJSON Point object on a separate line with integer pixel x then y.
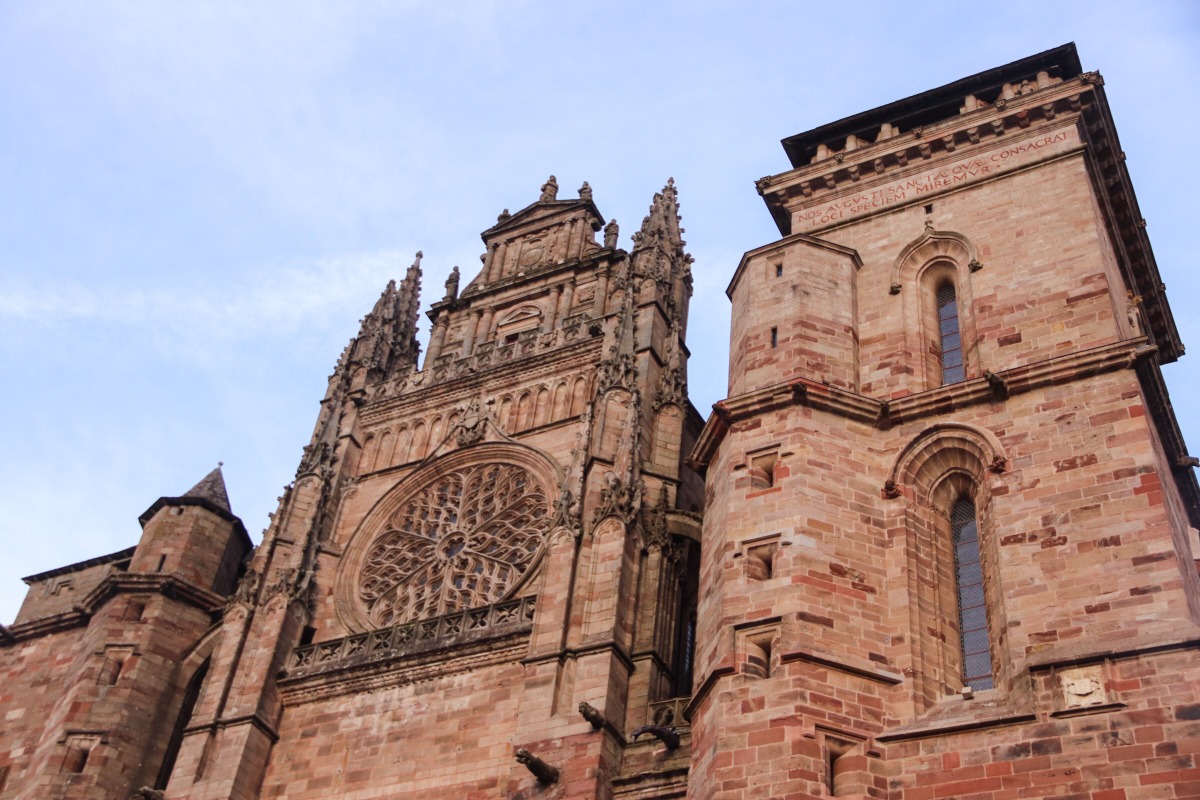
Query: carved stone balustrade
{"type": "Point", "coordinates": [411, 638]}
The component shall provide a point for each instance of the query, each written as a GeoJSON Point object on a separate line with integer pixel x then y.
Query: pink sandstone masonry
{"type": "Point", "coordinates": [938, 542]}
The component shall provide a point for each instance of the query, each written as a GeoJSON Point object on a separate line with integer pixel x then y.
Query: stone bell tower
{"type": "Point", "coordinates": [479, 548]}
{"type": "Point", "coordinates": [948, 548]}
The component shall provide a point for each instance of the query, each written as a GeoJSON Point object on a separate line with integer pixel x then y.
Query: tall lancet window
{"type": "Point", "coordinates": [972, 609]}
{"type": "Point", "coordinates": [951, 336]}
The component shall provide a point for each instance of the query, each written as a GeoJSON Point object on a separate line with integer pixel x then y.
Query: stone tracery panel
{"type": "Point", "coordinates": [464, 538]}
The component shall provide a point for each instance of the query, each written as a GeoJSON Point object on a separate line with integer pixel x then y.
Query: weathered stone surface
{"type": "Point", "coordinates": [496, 576]}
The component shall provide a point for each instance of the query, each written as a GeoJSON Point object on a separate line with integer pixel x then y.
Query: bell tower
{"type": "Point", "coordinates": [949, 514]}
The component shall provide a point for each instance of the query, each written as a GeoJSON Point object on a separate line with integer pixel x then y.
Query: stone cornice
{"type": "Point", "coordinates": [368, 677]}
{"type": "Point", "coordinates": [941, 400]}
{"type": "Point", "coordinates": [921, 149]}
{"type": "Point", "coordinates": [1079, 103]}
{"type": "Point", "coordinates": [939, 103]}
{"type": "Point", "coordinates": [120, 555]}
{"type": "Point", "coordinates": [796, 238]}
{"type": "Point", "coordinates": [172, 586]}
{"type": "Point", "coordinates": [411, 651]}
{"type": "Point", "coordinates": [255, 720]}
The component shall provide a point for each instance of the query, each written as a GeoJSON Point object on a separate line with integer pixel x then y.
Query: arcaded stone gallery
{"type": "Point", "coordinates": [938, 542]}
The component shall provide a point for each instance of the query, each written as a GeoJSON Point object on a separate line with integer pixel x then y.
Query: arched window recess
{"type": "Point", "coordinates": [936, 269]}
{"type": "Point", "coordinates": [955, 611]}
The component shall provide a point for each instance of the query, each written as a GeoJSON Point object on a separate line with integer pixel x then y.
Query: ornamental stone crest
{"type": "Point", "coordinates": [462, 535]}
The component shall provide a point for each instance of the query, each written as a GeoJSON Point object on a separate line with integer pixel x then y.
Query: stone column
{"type": "Point", "coordinates": [437, 338]}
{"type": "Point", "coordinates": [562, 239]}
{"type": "Point", "coordinates": [488, 259]}
{"type": "Point", "coordinates": [469, 336]}
{"type": "Point", "coordinates": [485, 328]}
{"type": "Point", "coordinates": [497, 271]}
{"type": "Point", "coordinates": [567, 300]}
{"type": "Point", "coordinates": [550, 318]}
{"type": "Point", "coordinates": [575, 239]}
{"type": "Point", "coordinates": [601, 294]}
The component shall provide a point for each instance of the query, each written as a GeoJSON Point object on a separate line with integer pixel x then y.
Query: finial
{"type": "Point", "coordinates": [452, 285]}
{"type": "Point", "coordinates": [504, 216]}
{"type": "Point", "coordinates": [220, 464]}
{"type": "Point", "coordinates": [585, 192]}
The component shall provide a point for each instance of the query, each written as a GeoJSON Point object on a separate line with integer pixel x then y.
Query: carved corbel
{"type": "Point", "coordinates": [890, 490]}
{"type": "Point", "coordinates": [975, 265]}
{"type": "Point", "coordinates": [998, 385]}
{"type": "Point", "coordinates": [592, 715]}
{"type": "Point", "coordinates": [545, 773]}
{"type": "Point", "coordinates": [668, 736]}
{"type": "Point", "coordinates": [1140, 354]}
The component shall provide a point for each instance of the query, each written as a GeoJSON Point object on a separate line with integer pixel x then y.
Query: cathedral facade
{"type": "Point", "coordinates": [938, 541]}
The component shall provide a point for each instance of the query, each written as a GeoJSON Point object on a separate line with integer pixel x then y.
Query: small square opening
{"type": "Point", "coordinates": [758, 655]}
{"type": "Point", "coordinates": [762, 470]}
{"type": "Point", "coordinates": [135, 610]}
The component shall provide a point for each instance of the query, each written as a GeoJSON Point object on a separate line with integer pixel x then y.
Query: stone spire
{"type": "Point", "coordinates": [212, 488]}
{"type": "Point", "coordinates": [386, 346]}
{"type": "Point", "coordinates": [658, 253]}
{"type": "Point", "coordinates": [387, 340]}
{"type": "Point", "coordinates": [661, 225]}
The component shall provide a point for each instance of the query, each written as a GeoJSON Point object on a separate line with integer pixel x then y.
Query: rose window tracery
{"type": "Point", "coordinates": [462, 541]}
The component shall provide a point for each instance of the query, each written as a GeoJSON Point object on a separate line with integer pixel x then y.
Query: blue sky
{"type": "Point", "coordinates": [199, 201]}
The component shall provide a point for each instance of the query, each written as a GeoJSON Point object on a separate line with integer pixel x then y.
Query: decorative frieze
{"type": "Point", "coordinates": [412, 638]}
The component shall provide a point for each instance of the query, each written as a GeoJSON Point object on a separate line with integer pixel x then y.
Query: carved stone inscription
{"type": "Point", "coordinates": [994, 162]}
{"type": "Point", "coordinates": [462, 541]}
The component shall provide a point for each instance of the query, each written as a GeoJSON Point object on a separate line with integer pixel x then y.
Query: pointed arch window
{"type": "Point", "coordinates": [950, 335]}
{"type": "Point", "coordinates": [972, 605]}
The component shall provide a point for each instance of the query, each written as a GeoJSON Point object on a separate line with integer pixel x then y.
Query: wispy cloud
{"type": "Point", "coordinates": [272, 303]}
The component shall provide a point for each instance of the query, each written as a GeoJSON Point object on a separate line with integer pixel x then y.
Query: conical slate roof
{"type": "Point", "coordinates": [212, 488]}
{"type": "Point", "coordinates": [208, 493]}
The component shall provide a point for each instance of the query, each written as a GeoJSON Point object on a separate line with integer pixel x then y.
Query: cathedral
{"type": "Point", "coordinates": [939, 541]}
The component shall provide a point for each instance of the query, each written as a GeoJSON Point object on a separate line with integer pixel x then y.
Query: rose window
{"type": "Point", "coordinates": [463, 540]}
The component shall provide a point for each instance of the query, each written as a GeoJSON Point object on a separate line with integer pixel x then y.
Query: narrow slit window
{"type": "Point", "coordinates": [972, 607]}
{"type": "Point", "coordinates": [950, 335]}
{"type": "Point", "coordinates": [779, 270]}
{"type": "Point", "coordinates": [774, 337]}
